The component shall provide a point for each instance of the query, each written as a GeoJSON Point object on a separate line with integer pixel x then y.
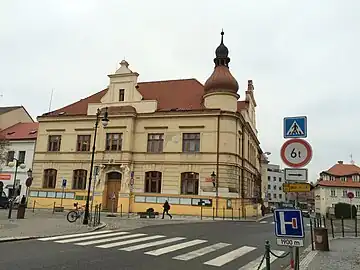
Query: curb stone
{"type": "Point", "coordinates": [20, 238]}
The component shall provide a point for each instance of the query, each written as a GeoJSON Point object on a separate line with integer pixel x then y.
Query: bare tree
{"type": "Point", "coordinates": [3, 150]}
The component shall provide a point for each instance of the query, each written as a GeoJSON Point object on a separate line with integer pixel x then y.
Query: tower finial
{"type": "Point", "coordinates": [222, 36]}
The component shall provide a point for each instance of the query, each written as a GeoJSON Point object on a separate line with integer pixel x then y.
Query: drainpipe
{"type": "Point", "coordinates": [242, 169]}
{"type": "Point", "coordinates": [217, 162]}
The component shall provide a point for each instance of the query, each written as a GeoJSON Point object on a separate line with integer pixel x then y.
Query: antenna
{"type": "Point", "coordinates": [51, 97]}
{"type": "Point", "coordinates": [351, 159]}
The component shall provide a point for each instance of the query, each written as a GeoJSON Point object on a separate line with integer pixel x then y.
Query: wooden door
{"type": "Point", "coordinates": [113, 189]}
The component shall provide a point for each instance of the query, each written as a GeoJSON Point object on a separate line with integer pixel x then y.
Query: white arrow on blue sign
{"type": "Point", "coordinates": [295, 127]}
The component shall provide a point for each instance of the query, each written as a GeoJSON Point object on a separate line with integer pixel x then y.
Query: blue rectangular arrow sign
{"type": "Point", "coordinates": [295, 127]}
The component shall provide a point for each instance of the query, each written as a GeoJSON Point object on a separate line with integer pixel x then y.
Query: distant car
{"type": "Point", "coordinates": [4, 201]}
{"type": "Point", "coordinates": [305, 213]}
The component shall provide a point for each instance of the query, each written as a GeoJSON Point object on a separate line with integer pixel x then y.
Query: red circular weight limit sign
{"type": "Point", "coordinates": [296, 153]}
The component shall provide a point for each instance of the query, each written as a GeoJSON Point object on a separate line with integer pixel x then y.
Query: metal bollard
{"type": "Point", "coordinates": [239, 214]}
{"type": "Point", "coordinates": [232, 213]}
{"type": "Point", "coordinates": [201, 212]}
{"type": "Point", "coordinates": [34, 206]}
{"type": "Point", "coordinates": [342, 227]}
{"type": "Point", "coordinates": [356, 232]}
{"type": "Point", "coordinates": [213, 213]}
{"type": "Point", "coordinates": [223, 213]}
{"type": "Point", "coordinates": [54, 207]}
{"type": "Point", "coordinates": [311, 235]}
{"type": "Point", "coordinates": [332, 228]}
{"type": "Point", "coordinates": [121, 210]}
{"type": "Point", "coordinates": [267, 254]}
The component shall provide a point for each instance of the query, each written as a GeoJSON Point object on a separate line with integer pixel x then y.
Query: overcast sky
{"type": "Point", "coordinates": [303, 57]}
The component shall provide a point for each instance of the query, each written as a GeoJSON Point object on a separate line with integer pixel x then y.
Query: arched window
{"type": "Point", "coordinates": [49, 178]}
{"type": "Point", "coordinates": [153, 182]}
{"type": "Point", "coordinates": [79, 179]}
{"type": "Point", "coordinates": [190, 183]}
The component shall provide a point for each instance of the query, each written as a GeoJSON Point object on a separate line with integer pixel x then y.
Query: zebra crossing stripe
{"type": "Point", "coordinates": [152, 244]}
{"type": "Point", "coordinates": [109, 239]}
{"type": "Point", "coordinates": [172, 248]}
{"type": "Point", "coordinates": [253, 265]}
{"type": "Point", "coordinates": [77, 239]}
{"type": "Point", "coordinates": [201, 252]}
{"type": "Point", "coordinates": [123, 243]}
{"type": "Point", "coordinates": [263, 222]}
{"type": "Point", "coordinates": [230, 256]}
{"type": "Point", "coordinates": [72, 235]}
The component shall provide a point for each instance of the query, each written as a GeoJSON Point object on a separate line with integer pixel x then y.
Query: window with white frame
{"type": "Point", "coordinates": [333, 193]}
{"type": "Point", "coordinates": [357, 193]}
{"type": "Point", "coordinates": [343, 178]}
{"type": "Point", "coordinates": [358, 207]}
{"type": "Point", "coordinates": [356, 178]}
{"type": "Point", "coordinates": [345, 193]}
{"type": "Point", "coordinates": [332, 178]}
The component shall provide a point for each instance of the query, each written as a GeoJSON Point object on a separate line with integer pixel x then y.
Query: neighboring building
{"type": "Point", "coordinates": [163, 142]}
{"type": "Point", "coordinates": [334, 184]}
{"type": "Point", "coordinates": [10, 116]}
{"type": "Point", "coordinates": [276, 180]}
{"type": "Point", "coordinates": [21, 140]}
{"type": "Point", "coordinates": [264, 178]}
{"type": "Point", "coordinates": [304, 198]}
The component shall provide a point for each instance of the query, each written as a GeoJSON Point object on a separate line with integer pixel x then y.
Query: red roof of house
{"type": "Point", "coordinates": [20, 131]}
{"type": "Point", "coordinates": [183, 94]}
{"type": "Point", "coordinates": [341, 170]}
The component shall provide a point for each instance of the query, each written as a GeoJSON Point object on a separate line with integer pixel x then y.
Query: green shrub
{"type": "Point", "coordinates": [344, 210]}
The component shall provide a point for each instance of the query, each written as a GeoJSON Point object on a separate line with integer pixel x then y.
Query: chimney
{"type": "Point", "coordinates": [340, 162]}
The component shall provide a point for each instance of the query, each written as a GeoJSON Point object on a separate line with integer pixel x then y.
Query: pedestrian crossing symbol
{"type": "Point", "coordinates": [295, 127]}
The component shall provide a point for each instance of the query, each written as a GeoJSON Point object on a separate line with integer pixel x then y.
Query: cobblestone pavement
{"type": "Point", "coordinates": [344, 254]}
{"type": "Point", "coordinates": [40, 223]}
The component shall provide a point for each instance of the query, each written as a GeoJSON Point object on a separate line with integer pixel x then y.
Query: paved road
{"type": "Point", "coordinates": [216, 245]}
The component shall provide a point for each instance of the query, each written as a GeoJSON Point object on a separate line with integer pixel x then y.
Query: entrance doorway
{"type": "Point", "coordinates": [113, 186]}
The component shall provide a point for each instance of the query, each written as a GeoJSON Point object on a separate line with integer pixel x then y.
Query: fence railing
{"type": "Point", "coordinates": [336, 227]}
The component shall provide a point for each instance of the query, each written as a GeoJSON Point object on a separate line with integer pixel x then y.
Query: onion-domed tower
{"type": "Point", "coordinates": [220, 90]}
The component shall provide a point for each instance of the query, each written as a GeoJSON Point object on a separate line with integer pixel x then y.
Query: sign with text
{"type": "Point", "coordinates": [290, 242]}
{"type": "Point", "coordinates": [296, 187]}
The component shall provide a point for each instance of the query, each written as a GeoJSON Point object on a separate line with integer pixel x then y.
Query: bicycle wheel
{"type": "Point", "coordinates": [72, 216]}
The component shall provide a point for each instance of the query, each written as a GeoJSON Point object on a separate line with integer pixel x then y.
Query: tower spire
{"type": "Point", "coordinates": [222, 53]}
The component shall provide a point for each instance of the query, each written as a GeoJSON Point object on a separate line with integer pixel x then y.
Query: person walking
{"type": "Point", "coordinates": [166, 207]}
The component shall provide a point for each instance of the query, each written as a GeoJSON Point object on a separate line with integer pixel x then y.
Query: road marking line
{"type": "Point", "coordinates": [273, 222]}
{"type": "Point", "coordinates": [263, 222]}
{"type": "Point", "coordinates": [152, 244]}
{"type": "Point", "coordinates": [172, 248]}
{"type": "Point", "coordinates": [201, 252]}
{"type": "Point", "coordinates": [72, 235]}
{"type": "Point", "coordinates": [230, 256]}
{"type": "Point", "coordinates": [253, 265]}
{"type": "Point", "coordinates": [109, 239]}
{"type": "Point", "coordinates": [78, 239]}
{"type": "Point", "coordinates": [123, 243]}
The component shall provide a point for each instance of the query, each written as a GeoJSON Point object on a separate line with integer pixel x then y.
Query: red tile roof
{"type": "Point", "coordinates": [341, 170]}
{"type": "Point", "coordinates": [174, 94]}
{"type": "Point", "coordinates": [20, 131]}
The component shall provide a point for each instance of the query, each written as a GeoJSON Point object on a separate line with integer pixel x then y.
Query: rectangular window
{"type": "Point", "coordinates": [79, 179]}
{"type": "Point", "coordinates": [269, 196]}
{"type": "Point", "coordinates": [356, 178]}
{"type": "Point", "coordinates": [274, 196]}
{"type": "Point", "coordinates": [83, 143]}
{"type": "Point", "coordinates": [280, 188]}
{"type": "Point", "coordinates": [343, 178]}
{"type": "Point", "coordinates": [10, 157]}
{"type": "Point", "coordinates": [113, 141]}
{"type": "Point", "coordinates": [153, 182]}
{"type": "Point", "coordinates": [155, 143]}
{"type": "Point", "coordinates": [49, 178]}
{"type": "Point", "coordinates": [191, 142]}
{"type": "Point", "coordinates": [279, 179]}
{"type": "Point", "coordinates": [121, 94]}
{"type": "Point", "coordinates": [269, 178]}
{"type": "Point", "coordinates": [280, 196]}
{"type": "Point", "coordinates": [22, 157]}
{"type": "Point", "coordinates": [274, 187]}
{"type": "Point", "coordinates": [357, 193]}
{"type": "Point", "coordinates": [333, 193]}
{"type": "Point", "coordinates": [54, 143]}
{"type": "Point", "coordinates": [269, 186]}
{"type": "Point", "coordinates": [274, 178]}
{"type": "Point", "coordinates": [344, 193]}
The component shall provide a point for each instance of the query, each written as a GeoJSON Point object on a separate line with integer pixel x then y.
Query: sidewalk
{"type": "Point", "coordinates": [38, 224]}
{"type": "Point", "coordinates": [344, 254]}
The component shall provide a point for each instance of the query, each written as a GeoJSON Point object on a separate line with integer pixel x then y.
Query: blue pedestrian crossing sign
{"type": "Point", "coordinates": [295, 127]}
{"type": "Point", "coordinates": [289, 223]}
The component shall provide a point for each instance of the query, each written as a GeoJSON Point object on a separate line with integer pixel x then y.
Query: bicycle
{"type": "Point", "coordinates": [75, 214]}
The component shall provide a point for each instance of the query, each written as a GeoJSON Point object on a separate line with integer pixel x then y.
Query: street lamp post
{"type": "Point", "coordinates": [17, 164]}
{"type": "Point", "coordinates": [28, 184]}
{"type": "Point", "coordinates": [216, 186]}
{"type": "Point", "coordinates": [105, 121]}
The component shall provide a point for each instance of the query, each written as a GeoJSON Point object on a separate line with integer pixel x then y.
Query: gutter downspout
{"type": "Point", "coordinates": [242, 171]}
{"type": "Point", "coordinates": [217, 162]}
